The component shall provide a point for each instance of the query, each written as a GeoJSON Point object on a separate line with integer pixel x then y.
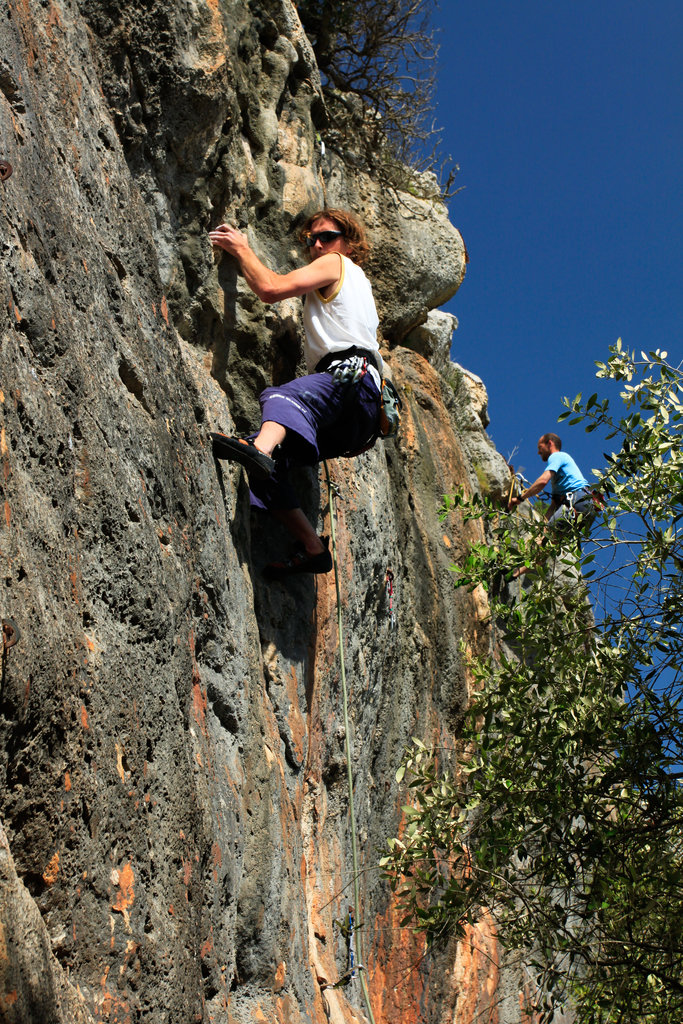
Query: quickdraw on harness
{"type": "Point", "coordinates": [348, 371]}
{"type": "Point", "coordinates": [389, 588]}
{"type": "Point", "coordinates": [347, 929]}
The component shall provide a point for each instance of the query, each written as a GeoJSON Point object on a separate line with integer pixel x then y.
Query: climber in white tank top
{"type": "Point", "coordinates": [335, 409]}
{"type": "Point", "coordinates": [344, 319]}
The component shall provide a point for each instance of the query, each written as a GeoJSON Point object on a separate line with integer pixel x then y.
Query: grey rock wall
{"type": "Point", "coordinates": [173, 778]}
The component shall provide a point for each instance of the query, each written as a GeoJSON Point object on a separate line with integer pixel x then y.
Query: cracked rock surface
{"type": "Point", "coordinates": [173, 784]}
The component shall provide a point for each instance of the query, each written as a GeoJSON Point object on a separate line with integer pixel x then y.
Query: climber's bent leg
{"type": "Point", "coordinates": [297, 523]}
{"type": "Point", "coordinates": [269, 436]}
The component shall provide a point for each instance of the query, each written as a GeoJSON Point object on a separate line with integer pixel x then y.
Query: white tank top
{"type": "Point", "coordinates": [348, 317]}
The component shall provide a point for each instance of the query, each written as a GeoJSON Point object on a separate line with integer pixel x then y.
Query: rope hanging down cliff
{"type": "Point", "coordinates": [349, 770]}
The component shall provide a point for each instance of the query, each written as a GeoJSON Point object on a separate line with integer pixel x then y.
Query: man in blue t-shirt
{"type": "Point", "coordinates": [572, 498]}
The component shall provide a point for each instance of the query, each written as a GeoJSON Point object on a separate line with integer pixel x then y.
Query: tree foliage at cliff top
{"type": "Point", "coordinates": [564, 817]}
{"type": "Point", "coordinates": [377, 60]}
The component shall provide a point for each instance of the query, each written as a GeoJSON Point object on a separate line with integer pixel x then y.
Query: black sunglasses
{"type": "Point", "coordinates": [321, 236]}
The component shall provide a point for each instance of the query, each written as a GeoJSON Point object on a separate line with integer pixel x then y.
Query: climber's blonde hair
{"type": "Point", "coordinates": [352, 229]}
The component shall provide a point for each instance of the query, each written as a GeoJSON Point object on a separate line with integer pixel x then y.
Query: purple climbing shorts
{"type": "Point", "coordinates": [324, 419]}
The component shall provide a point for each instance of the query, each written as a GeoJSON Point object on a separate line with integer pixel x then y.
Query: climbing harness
{"type": "Point", "coordinates": [350, 366]}
{"type": "Point", "coordinates": [333, 359]}
{"type": "Point", "coordinates": [577, 508]}
{"type": "Point", "coordinates": [331, 491]}
{"type": "Point", "coordinates": [583, 495]}
{"type": "Point", "coordinates": [389, 588]}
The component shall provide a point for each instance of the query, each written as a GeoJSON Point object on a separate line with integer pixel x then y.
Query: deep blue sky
{"type": "Point", "coordinates": [566, 119]}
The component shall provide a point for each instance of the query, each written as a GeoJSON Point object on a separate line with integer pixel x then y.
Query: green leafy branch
{"type": "Point", "coordinates": [563, 813]}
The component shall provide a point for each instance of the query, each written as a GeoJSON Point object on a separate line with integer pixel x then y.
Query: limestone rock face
{"type": "Point", "coordinates": [486, 464]}
{"type": "Point", "coordinates": [433, 338]}
{"type": "Point", "coordinates": [174, 781]}
{"type": "Point", "coordinates": [33, 984]}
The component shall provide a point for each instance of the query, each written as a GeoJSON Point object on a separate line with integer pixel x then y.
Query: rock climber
{"type": "Point", "coordinates": [573, 503]}
{"type": "Point", "coordinates": [571, 497]}
{"type": "Point", "coordinates": [333, 410]}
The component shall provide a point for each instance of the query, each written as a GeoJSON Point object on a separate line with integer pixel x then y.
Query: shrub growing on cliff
{"type": "Point", "coordinates": [565, 815]}
{"type": "Point", "coordinates": [377, 60]}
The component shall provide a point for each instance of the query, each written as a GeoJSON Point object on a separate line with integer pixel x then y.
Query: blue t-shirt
{"type": "Point", "coordinates": [567, 475]}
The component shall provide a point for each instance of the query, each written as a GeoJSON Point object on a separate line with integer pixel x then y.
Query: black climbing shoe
{"type": "Point", "coordinates": [300, 562]}
{"type": "Point", "coordinates": [236, 449]}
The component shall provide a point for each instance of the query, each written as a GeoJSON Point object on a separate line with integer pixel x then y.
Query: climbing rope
{"type": "Point", "coordinates": [349, 770]}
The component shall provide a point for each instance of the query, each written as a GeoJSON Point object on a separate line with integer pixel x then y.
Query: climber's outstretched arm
{"type": "Point", "coordinates": [536, 487]}
{"type": "Point", "coordinates": [266, 283]}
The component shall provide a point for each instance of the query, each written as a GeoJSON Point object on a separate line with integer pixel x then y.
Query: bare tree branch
{"type": "Point", "coordinates": [377, 60]}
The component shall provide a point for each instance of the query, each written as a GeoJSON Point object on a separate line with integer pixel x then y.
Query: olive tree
{"type": "Point", "coordinates": [563, 815]}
